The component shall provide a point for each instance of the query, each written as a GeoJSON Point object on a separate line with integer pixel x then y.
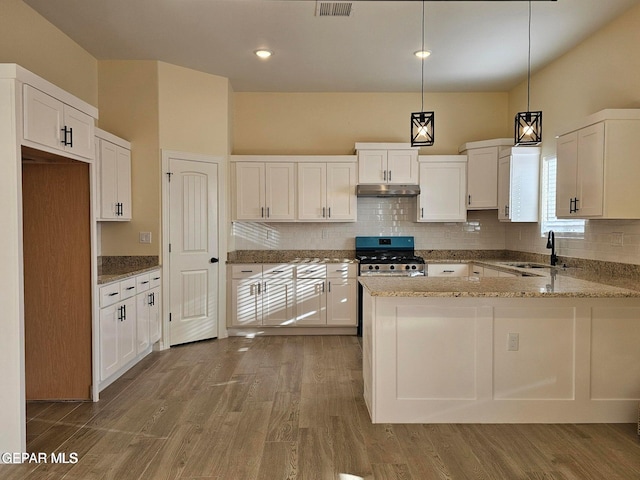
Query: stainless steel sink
{"type": "Point", "coordinates": [527, 265]}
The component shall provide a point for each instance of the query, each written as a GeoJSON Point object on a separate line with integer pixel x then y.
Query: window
{"type": "Point", "coordinates": [562, 228]}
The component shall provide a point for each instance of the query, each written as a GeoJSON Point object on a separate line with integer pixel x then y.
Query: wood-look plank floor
{"type": "Point", "coordinates": [291, 407]}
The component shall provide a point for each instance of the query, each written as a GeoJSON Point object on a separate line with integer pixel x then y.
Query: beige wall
{"type": "Point", "coordinates": [331, 123]}
{"type": "Point", "coordinates": [602, 72]}
{"type": "Point", "coordinates": [128, 94]}
{"type": "Point", "coordinates": [29, 40]}
{"type": "Point", "coordinates": [193, 108]}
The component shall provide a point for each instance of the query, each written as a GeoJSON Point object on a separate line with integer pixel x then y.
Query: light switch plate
{"type": "Point", "coordinates": [617, 238]}
{"type": "Point", "coordinates": [145, 237]}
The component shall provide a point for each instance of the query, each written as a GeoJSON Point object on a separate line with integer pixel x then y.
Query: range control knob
{"type": "Point", "coordinates": [392, 267]}
{"type": "Point", "coordinates": [413, 267]}
{"type": "Point", "coordinates": [370, 267]}
{"type": "Point", "coordinates": [407, 267]}
{"type": "Point", "coordinates": [377, 267]}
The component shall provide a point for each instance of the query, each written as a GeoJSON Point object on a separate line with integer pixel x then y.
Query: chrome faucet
{"type": "Point", "coordinates": [551, 243]}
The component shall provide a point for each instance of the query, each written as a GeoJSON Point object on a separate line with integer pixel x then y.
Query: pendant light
{"type": "Point", "coordinates": [528, 125]}
{"type": "Point", "coordinates": [422, 126]}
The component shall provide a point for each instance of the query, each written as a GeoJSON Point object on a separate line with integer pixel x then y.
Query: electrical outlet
{"type": "Point", "coordinates": [324, 233]}
{"type": "Point", "coordinates": [513, 342]}
{"type": "Point", "coordinates": [145, 237]}
{"type": "Point", "coordinates": [617, 239]}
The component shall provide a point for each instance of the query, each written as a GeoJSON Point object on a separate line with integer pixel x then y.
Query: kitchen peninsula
{"type": "Point", "coordinates": [548, 349]}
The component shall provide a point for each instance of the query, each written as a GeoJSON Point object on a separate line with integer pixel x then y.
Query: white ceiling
{"type": "Point", "coordinates": [477, 45]}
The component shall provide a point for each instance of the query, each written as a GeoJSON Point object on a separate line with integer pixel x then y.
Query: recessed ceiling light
{"type": "Point", "coordinates": [263, 53]}
{"type": "Point", "coordinates": [422, 53]}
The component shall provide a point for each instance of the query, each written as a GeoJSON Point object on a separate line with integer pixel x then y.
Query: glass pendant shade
{"type": "Point", "coordinates": [422, 129]}
{"type": "Point", "coordinates": [528, 128]}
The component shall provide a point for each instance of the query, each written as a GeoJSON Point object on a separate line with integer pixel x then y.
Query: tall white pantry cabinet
{"type": "Point", "coordinates": [62, 128]}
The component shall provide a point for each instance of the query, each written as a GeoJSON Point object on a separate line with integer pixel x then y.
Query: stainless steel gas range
{"type": "Point", "coordinates": [388, 256]}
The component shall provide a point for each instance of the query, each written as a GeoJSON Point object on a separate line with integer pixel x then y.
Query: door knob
{"type": "Point", "coordinates": [214, 260]}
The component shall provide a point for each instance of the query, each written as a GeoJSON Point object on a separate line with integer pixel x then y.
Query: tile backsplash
{"type": "Point", "coordinates": [376, 216]}
{"type": "Point", "coordinates": [604, 240]}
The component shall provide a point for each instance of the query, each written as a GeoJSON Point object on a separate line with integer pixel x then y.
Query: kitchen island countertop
{"type": "Point", "coordinates": [511, 287]}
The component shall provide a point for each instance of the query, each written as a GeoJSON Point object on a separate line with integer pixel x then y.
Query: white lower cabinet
{"type": "Point", "coordinates": [271, 295]}
{"type": "Point", "coordinates": [448, 270]}
{"type": "Point", "coordinates": [130, 322]}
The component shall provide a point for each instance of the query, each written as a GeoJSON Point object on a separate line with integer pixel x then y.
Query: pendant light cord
{"type": "Point", "coordinates": [422, 60]}
{"type": "Point", "coordinates": [529, 62]}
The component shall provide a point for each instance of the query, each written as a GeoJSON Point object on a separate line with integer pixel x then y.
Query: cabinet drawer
{"type": "Point", "coordinates": [312, 270]}
{"type": "Point", "coordinates": [109, 294]}
{"type": "Point", "coordinates": [127, 288]}
{"type": "Point", "coordinates": [155, 279]}
{"type": "Point", "coordinates": [448, 270]}
{"type": "Point", "coordinates": [280, 270]}
{"type": "Point", "coordinates": [247, 270]}
{"type": "Point", "coordinates": [341, 270]}
{"type": "Point", "coordinates": [143, 282]}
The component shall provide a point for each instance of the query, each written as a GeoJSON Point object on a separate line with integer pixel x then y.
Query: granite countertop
{"type": "Point", "coordinates": [114, 268]}
{"type": "Point", "coordinates": [125, 273]}
{"type": "Point", "coordinates": [559, 285]}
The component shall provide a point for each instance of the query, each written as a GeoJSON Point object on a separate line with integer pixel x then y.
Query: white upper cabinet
{"type": "Point", "coordinates": [265, 191]}
{"type": "Point", "coordinates": [114, 176]}
{"type": "Point", "coordinates": [443, 186]}
{"type": "Point", "coordinates": [51, 123]}
{"type": "Point", "coordinates": [307, 188]}
{"type": "Point", "coordinates": [387, 163]}
{"type": "Point", "coordinates": [482, 172]}
{"type": "Point", "coordinates": [597, 169]}
{"type": "Point", "coordinates": [519, 184]}
{"type": "Point", "coordinates": [326, 192]}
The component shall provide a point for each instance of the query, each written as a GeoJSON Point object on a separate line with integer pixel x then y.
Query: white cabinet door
{"type": "Point", "coordinates": [519, 184]}
{"type": "Point", "coordinates": [280, 191]}
{"type": "Point", "coordinates": [482, 178]}
{"type": "Point", "coordinates": [372, 166]}
{"type": "Point", "coordinates": [311, 302]}
{"type": "Point", "coordinates": [124, 182]}
{"type": "Point", "coordinates": [127, 329]}
{"type": "Point", "coordinates": [49, 122]}
{"type": "Point", "coordinates": [504, 175]}
{"type": "Point", "coordinates": [246, 302]}
{"type": "Point", "coordinates": [566, 174]}
{"type": "Point", "coordinates": [109, 354]}
{"type": "Point", "coordinates": [108, 179]}
{"type": "Point", "coordinates": [442, 192]}
{"type": "Point", "coordinates": [80, 132]}
{"type": "Point", "coordinates": [341, 301]}
{"type": "Point", "coordinates": [448, 270]}
{"type": "Point", "coordinates": [590, 178]}
{"type": "Point", "coordinates": [43, 118]}
{"type": "Point", "coordinates": [115, 181]}
{"type": "Point", "coordinates": [342, 204]}
{"type": "Point", "coordinates": [312, 191]}
{"type": "Point", "coordinates": [143, 321]}
{"type": "Point", "coordinates": [250, 194]}
{"type": "Point", "coordinates": [277, 302]}
{"type": "Point", "coordinates": [155, 315]}
{"type": "Point", "coordinates": [402, 167]}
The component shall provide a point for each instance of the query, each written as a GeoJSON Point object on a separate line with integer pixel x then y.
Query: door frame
{"type": "Point", "coordinates": [221, 162]}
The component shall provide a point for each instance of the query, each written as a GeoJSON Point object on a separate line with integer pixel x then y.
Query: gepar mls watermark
{"type": "Point", "coordinates": [38, 457]}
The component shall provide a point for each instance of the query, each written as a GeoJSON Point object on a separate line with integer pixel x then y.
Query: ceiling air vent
{"type": "Point", "coordinates": [333, 9]}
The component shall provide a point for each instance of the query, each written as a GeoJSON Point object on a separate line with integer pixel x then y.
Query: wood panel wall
{"type": "Point", "coordinates": [57, 279]}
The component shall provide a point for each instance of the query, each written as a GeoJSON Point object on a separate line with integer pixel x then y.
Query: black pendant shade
{"type": "Point", "coordinates": [422, 129]}
{"type": "Point", "coordinates": [528, 128]}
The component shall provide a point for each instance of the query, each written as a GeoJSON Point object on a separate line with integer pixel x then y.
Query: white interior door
{"type": "Point", "coordinates": [193, 257]}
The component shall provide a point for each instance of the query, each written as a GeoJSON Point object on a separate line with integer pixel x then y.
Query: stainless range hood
{"type": "Point", "coordinates": [385, 190]}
